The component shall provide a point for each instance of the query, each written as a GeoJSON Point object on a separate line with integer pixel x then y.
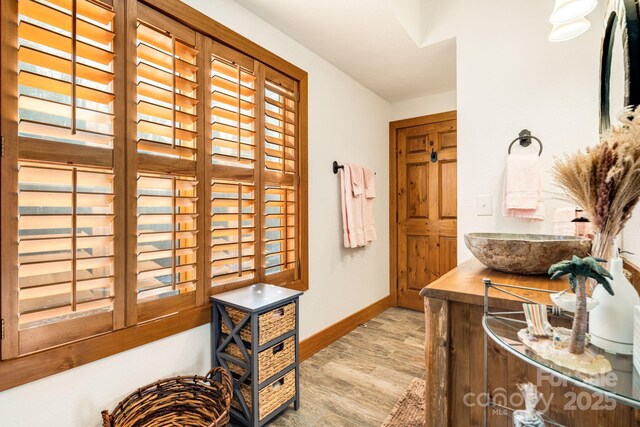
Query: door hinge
{"type": "Point", "coordinates": [2, 328]}
{"type": "Point", "coordinates": [2, 151]}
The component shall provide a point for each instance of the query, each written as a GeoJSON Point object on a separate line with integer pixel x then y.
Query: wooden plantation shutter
{"type": "Point", "coordinates": [66, 251]}
{"type": "Point", "coordinates": [281, 178]}
{"type": "Point", "coordinates": [166, 93]}
{"type": "Point", "coordinates": [167, 231]}
{"type": "Point", "coordinates": [167, 145]}
{"type": "Point", "coordinates": [233, 232]}
{"type": "Point", "coordinates": [233, 158]}
{"type": "Point", "coordinates": [144, 166]}
{"type": "Point", "coordinates": [65, 181]}
{"type": "Point", "coordinates": [233, 112]}
{"type": "Point", "coordinates": [66, 74]}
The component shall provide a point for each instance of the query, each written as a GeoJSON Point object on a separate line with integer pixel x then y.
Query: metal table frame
{"type": "Point", "coordinates": [488, 333]}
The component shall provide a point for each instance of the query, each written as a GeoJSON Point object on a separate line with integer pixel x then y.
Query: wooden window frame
{"type": "Point", "coordinates": [128, 333]}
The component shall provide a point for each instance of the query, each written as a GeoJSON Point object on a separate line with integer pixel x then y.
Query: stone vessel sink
{"type": "Point", "coordinates": [524, 253]}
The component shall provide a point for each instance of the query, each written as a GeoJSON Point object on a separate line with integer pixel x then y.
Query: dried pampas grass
{"type": "Point", "coordinates": [605, 180]}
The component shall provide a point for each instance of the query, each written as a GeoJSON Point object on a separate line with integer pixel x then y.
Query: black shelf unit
{"type": "Point", "coordinates": [252, 301]}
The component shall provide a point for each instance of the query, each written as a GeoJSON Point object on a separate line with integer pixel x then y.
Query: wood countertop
{"type": "Point", "coordinates": [464, 284]}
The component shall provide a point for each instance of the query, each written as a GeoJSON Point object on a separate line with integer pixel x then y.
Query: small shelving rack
{"type": "Point", "coordinates": [255, 338]}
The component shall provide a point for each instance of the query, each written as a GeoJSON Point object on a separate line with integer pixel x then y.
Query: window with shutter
{"type": "Point", "coordinates": [167, 211]}
{"type": "Point", "coordinates": [166, 93]}
{"type": "Point", "coordinates": [167, 240]}
{"type": "Point", "coordinates": [233, 153]}
{"type": "Point", "coordinates": [233, 232]}
{"type": "Point", "coordinates": [280, 229]}
{"type": "Point", "coordinates": [65, 244]}
{"type": "Point", "coordinates": [65, 214]}
{"type": "Point", "coordinates": [281, 182]}
{"type": "Point", "coordinates": [233, 112]}
{"type": "Point", "coordinates": [149, 160]}
{"type": "Point", "coordinates": [65, 71]}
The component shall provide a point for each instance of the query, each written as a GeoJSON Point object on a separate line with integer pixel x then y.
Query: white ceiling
{"type": "Point", "coordinates": [365, 39]}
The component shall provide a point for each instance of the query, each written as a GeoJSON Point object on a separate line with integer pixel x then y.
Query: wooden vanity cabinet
{"type": "Point", "coordinates": [454, 352]}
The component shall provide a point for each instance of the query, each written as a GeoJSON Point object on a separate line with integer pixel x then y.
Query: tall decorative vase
{"type": "Point", "coordinates": [611, 321]}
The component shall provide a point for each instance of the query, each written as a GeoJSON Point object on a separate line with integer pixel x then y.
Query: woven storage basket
{"type": "Point", "coordinates": [272, 396]}
{"type": "Point", "coordinates": [271, 324]}
{"type": "Point", "coordinates": [194, 401]}
{"type": "Point", "coordinates": [270, 361]}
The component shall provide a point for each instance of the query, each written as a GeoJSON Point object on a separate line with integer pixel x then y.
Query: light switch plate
{"type": "Point", "coordinates": [484, 205]}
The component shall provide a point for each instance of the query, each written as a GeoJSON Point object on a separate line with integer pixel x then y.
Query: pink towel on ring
{"type": "Point", "coordinates": [523, 188]}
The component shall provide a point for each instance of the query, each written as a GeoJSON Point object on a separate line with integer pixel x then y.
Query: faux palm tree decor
{"type": "Point", "coordinates": [579, 270]}
{"type": "Point", "coordinates": [605, 180]}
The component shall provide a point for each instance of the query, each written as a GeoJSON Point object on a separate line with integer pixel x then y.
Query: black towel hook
{"type": "Point", "coordinates": [525, 138]}
{"type": "Point", "coordinates": [337, 166]}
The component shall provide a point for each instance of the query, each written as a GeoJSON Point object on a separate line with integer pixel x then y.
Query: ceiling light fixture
{"type": "Point", "coordinates": [566, 11]}
{"type": "Point", "coordinates": [569, 30]}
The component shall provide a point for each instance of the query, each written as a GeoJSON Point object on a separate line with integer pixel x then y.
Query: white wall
{"type": "Point", "coordinates": [423, 106]}
{"type": "Point", "coordinates": [76, 397]}
{"type": "Point", "coordinates": [352, 126]}
{"type": "Point", "coordinates": [509, 78]}
{"type": "Point", "coordinates": [631, 237]}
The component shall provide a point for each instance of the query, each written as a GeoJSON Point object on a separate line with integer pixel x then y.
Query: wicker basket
{"type": "Point", "coordinates": [272, 396]}
{"type": "Point", "coordinates": [271, 324]}
{"type": "Point", "coordinates": [270, 361]}
{"type": "Point", "coordinates": [178, 401]}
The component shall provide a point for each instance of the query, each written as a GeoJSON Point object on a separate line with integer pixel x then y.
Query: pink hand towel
{"type": "Point", "coordinates": [369, 183]}
{"type": "Point", "coordinates": [357, 223]}
{"type": "Point", "coordinates": [353, 235]}
{"type": "Point", "coordinates": [346, 196]}
{"type": "Point", "coordinates": [370, 194]}
{"type": "Point", "coordinates": [357, 179]}
{"type": "Point", "coordinates": [523, 188]}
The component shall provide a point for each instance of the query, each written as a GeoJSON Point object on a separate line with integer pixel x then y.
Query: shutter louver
{"type": "Point", "coordinates": [281, 183]}
{"type": "Point", "coordinates": [233, 113]}
{"type": "Point", "coordinates": [65, 243]}
{"type": "Point", "coordinates": [167, 203]}
{"type": "Point", "coordinates": [233, 232]}
{"type": "Point", "coordinates": [65, 71]}
{"type": "Point", "coordinates": [280, 229]}
{"type": "Point", "coordinates": [233, 153]}
{"type": "Point", "coordinates": [167, 232]}
{"type": "Point", "coordinates": [280, 128]}
{"type": "Point", "coordinates": [166, 94]}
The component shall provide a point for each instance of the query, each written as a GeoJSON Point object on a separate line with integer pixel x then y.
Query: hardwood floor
{"type": "Point", "coordinates": [356, 380]}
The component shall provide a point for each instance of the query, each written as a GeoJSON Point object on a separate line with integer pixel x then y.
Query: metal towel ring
{"type": "Point", "coordinates": [525, 138]}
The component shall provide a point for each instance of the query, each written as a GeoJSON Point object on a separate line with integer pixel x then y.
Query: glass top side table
{"type": "Point", "coordinates": [622, 384]}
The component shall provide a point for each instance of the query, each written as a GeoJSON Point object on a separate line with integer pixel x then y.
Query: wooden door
{"type": "Point", "coordinates": [426, 207]}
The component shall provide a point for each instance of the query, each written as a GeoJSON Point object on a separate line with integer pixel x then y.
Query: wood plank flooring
{"type": "Point", "coordinates": [356, 380]}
